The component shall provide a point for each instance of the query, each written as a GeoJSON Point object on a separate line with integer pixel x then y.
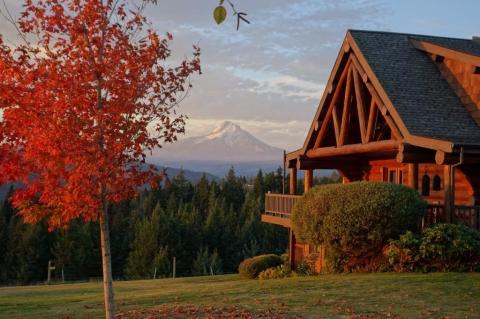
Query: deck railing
{"type": "Point", "coordinates": [281, 205]}
{"type": "Point", "coordinates": [465, 215]}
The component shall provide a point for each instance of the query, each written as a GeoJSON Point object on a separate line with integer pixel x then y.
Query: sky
{"type": "Point", "coordinates": [269, 76]}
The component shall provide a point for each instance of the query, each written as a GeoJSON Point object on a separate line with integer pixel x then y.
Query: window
{"type": "Point", "coordinates": [392, 177]}
{"type": "Point", "coordinates": [425, 185]}
{"type": "Point", "coordinates": [436, 183]}
{"type": "Point", "coordinates": [385, 174]}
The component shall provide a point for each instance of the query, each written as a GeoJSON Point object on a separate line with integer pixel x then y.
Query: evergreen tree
{"type": "Point", "coordinates": [145, 247]}
{"type": "Point", "coordinates": [233, 190]}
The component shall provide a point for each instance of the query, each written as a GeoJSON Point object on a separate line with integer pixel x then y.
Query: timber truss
{"type": "Point", "coordinates": [356, 117]}
{"type": "Point", "coordinates": [351, 119]}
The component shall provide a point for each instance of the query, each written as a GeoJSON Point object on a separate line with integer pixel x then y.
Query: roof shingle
{"type": "Point", "coordinates": [424, 100]}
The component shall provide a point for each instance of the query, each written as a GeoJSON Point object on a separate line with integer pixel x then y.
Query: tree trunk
{"type": "Point", "coordinates": [106, 265]}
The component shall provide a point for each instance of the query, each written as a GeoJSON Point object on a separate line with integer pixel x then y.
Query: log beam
{"type": "Point", "coordinates": [380, 146]}
{"type": "Point", "coordinates": [336, 124]}
{"type": "Point", "coordinates": [359, 97]}
{"type": "Point", "coordinates": [326, 121]}
{"type": "Point", "coordinates": [371, 121]}
{"type": "Point", "coordinates": [346, 109]}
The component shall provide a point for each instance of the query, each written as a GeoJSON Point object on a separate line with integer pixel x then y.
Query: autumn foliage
{"type": "Point", "coordinates": [85, 97]}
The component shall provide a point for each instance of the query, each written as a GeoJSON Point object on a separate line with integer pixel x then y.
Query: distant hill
{"type": "Point", "coordinates": [190, 175]}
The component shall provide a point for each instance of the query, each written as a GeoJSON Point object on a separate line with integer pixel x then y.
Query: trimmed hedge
{"type": "Point", "coordinates": [356, 220]}
{"type": "Point", "coordinates": [309, 212]}
{"type": "Point", "coordinates": [252, 267]}
{"type": "Point", "coordinates": [443, 247]}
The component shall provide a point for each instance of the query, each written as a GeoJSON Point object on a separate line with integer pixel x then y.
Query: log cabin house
{"type": "Point", "coordinates": [398, 108]}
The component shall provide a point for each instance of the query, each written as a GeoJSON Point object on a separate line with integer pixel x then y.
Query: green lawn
{"type": "Point", "coordinates": [385, 295]}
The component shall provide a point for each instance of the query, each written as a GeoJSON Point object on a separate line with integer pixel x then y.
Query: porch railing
{"type": "Point", "coordinates": [465, 215]}
{"type": "Point", "coordinates": [281, 205]}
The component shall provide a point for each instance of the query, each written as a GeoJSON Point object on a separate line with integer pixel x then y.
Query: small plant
{"type": "Point", "coordinates": [402, 253]}
{"type": "Point", "coordinates": [252, 267]}
{"type": "Point", "coordinates": [307, 266]}
{"type": "Point", "coordinates": [443, 247]}
{"type": "Point", "coordinates": [447, 247]}
{"type": "Point", "coordinates": [281, 271]}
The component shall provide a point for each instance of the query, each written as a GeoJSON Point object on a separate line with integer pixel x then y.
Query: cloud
{"type": "Point", "coordinates": [269, 76]}
{"type": "Point", "coordinates": [271, 82]}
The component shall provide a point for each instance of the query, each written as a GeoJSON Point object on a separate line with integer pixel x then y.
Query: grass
{"type": "Point", "coordinates": [383, 295]}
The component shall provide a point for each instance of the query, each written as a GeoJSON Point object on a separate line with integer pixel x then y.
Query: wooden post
{"type": "Point", "coordinates": [308, 179]}
{"type": "Point", "coordinates": [174, 267]}
{"type": "Point", "coordinates": [50, 268]}
{"type": "Point", "coordinates": [284, 171]}
{"type": "Point", "coordinates": [449, 178]}
{"type": "Point", "coordinates": [413, 176]}
{"type": "Point", "coordinates": [291, 249]}
{"type": "Point", "coordinates": [293, 181]}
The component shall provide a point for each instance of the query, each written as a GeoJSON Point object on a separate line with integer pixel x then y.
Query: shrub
{"type": "Point", "coordinates": [252, 267]}
{"type": "Point", "coordinates": [356, 220]}
{"type": "Point", "coordinates": [281, 271]}
{"type": "Point", "coordinates": [447, 247]}
{"type": "Point", "coordinates": [309, 212]}
{"type": "Point", "coordinates": [402, 253]}
{"type": "Point", "coordinates": [443, 247]}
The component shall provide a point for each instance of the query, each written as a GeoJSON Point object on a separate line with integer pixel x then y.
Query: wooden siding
{"type": "Point", "coordinates": [464, 192]}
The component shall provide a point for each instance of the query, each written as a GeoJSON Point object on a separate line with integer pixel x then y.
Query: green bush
{"type": "Point", "coordinates": [443, 247]}
{"type": "Point", "coordinates": [252, 267]}
{"type": "Point", "coordinates": [447, 247]}
{"type": "Point", "coordinates": [356, 220]}
{"type": "Point", "coordinates": [309, 212]}
{"type": "Point", "coordinates": [281, 271]}
{"type": "Point", "coordinates": [402, 253]}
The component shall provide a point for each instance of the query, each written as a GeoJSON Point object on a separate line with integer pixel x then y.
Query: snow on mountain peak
{"type": "Point", "coordinates": [228, 131]}
{"type": "Point", "coordinates": [227, 142]}
{"type": "Point", "coordinates": [225, 129]}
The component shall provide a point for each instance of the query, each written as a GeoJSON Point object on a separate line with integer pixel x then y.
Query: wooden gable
{"type": "Point", "coordinates": [352, 115]}
{"type": "Point", "coordinates": [356, 116]}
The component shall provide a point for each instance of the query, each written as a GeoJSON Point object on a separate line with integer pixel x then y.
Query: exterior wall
{"type": "Point", "coordinates": [464, 192]}
{"type": "Point", "coordinates": [310, 253]}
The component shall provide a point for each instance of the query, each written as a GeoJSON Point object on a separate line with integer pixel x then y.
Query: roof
{"type": "Point", "coordinates": [424, 101]}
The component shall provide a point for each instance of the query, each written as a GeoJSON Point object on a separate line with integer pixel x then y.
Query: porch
{"type": "Point", "coordinates": [279, 207]}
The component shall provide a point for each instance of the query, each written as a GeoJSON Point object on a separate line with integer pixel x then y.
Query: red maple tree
{"type": "Point", "coordinates": [84, 98]}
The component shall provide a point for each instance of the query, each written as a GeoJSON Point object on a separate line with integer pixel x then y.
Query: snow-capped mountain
{"type": "Point", "coordinates": [228, 142]}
